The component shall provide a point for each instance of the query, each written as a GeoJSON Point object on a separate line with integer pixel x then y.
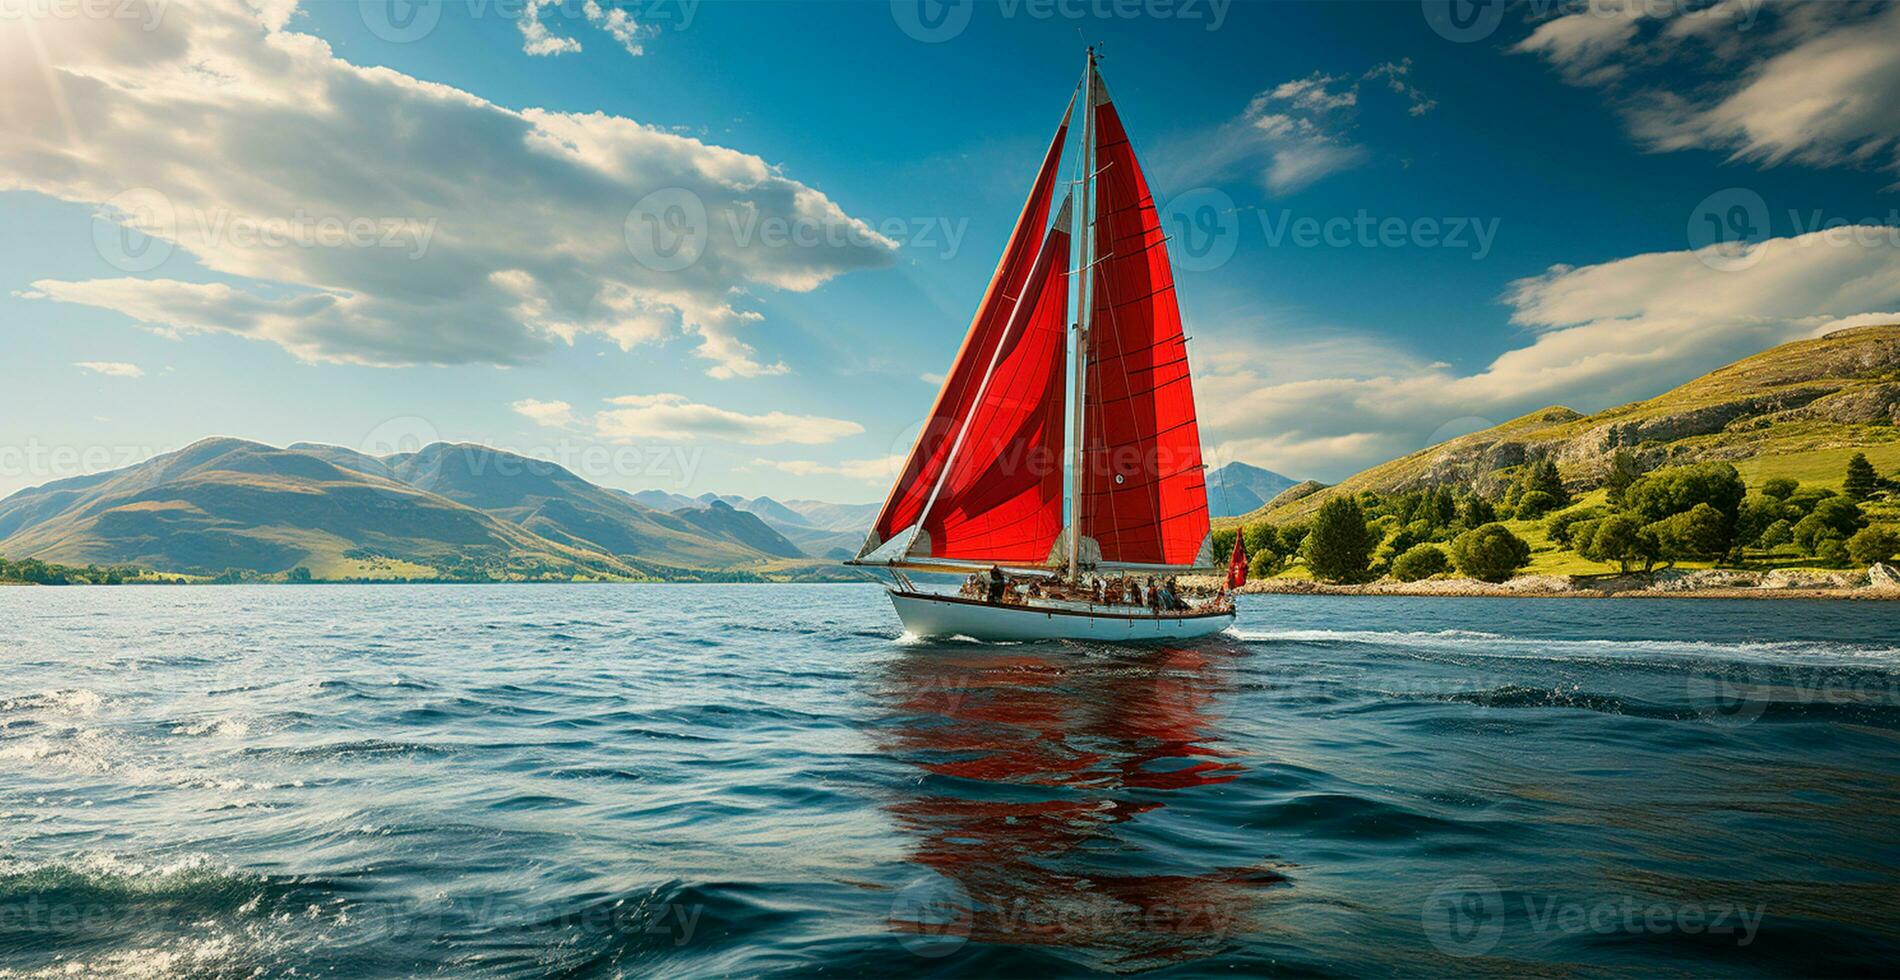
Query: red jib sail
{"type": "Point", "coordinates": [1001, 499]}
{"type": "Point", "coordinates": [922, 471]}
{"type": "Point", "coordinates": [1144, 496]}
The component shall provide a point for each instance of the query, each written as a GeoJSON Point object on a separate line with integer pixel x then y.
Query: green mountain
{"type": "Point", "coordinates": [446, 511]}
{"type": "Point", "coordinates": [1798, 410]}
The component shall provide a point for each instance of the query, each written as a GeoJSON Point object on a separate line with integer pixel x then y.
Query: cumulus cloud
{"type": "Point", "coordinates": [1295, 133]}
{"type": "Point", "coordinates": [557, 414]}
{"type": "Point", "coordinates": [1817, 84]}
{"type": "Point", "coordinates": [113, 369]}
{"type": "Point", "coordinates": [1598, 335]}
{"type": "Point", "coordinates": [538, 39]}
{"type": "Point", "coordinates": [370, 217]}
{"type": "Point", "coordinates": [880, 470]}
{"type": "Point", "coordinates": [675, 418]}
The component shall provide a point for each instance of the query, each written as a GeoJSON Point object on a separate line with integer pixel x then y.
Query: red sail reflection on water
{"type": "Point", "coordinates": [1043, 776]}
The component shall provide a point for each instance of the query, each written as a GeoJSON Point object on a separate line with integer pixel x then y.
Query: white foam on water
{"type": "Point", "coordinates": [73, 702]}
{"type": "Point", "coordinates": [1479, 643]}
{"type": "Point", "coordinates": [220, 727]}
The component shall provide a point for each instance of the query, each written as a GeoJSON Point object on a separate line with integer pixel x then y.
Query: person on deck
{"type": "Point", "coordinates": [1154, 597]}
{"type": "Point", "coordinates": [997, 583]}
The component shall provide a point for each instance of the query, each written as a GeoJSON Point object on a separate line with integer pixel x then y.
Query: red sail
{"type": "Point", "coordinates": [1144, 497]}
{"type": "Point", "coordinates": [925, 466]}
{"type": "Point", "coordinates": [1001, 500]}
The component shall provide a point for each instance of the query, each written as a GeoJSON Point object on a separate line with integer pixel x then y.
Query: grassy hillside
{"type": "Point", "coordinates": [1798, 410]}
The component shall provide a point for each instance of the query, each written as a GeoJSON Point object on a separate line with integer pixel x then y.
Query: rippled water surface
{"type": "Point", "coordinates": [691, 780]}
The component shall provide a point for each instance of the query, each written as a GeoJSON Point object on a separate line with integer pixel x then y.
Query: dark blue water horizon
{"type": "Point", "coordinates": [742, 780]}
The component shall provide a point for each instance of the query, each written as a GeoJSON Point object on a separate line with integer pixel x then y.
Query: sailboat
{"type": "Point", "coordinates": [1061, 454]}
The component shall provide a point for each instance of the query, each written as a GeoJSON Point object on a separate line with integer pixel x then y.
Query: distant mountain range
{"type": "Point", "coordinates": [820, 529]}
{"type": "Point", "coordinates": [447, 511]}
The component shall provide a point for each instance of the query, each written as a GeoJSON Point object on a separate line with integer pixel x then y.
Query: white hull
{"type": "Point", "coordinates": [933, 615]}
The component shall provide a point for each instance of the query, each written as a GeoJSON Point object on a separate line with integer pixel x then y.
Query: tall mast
{"type": "Point", "coordinates": [1084, 312]}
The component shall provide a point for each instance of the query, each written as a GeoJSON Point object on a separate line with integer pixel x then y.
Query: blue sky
{"type": "Point", "coordinates": [1388, 230]}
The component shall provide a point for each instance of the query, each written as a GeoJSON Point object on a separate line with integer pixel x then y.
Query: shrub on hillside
{"type": "Point", "coordinates": [1490, 553]}
{"type": "Point", "coordinates": [1559, 527]}
{"type": "Point", "coordinates": [1873, 544]}
{"type": "Point", "coordinates": [1833, 517]}
{"type": "Point", "coordinates": [1535, 504]}
{"type": "Point", "coordinates": [1780, 487]}
{"type": "Point", "coordinates": [1420, 561]}
{"type": "Point", "coordinates": [1775, 535]}
{"type": "Point", "coordinates": [1339, 546]}
{"type": "Point", "coordinates": [1833, 553]}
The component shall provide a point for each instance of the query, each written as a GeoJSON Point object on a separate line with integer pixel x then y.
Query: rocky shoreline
{"type": "Point", "coordinates": [1876, 583]}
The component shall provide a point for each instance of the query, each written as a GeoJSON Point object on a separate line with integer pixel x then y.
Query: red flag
{"type": "Point", "coordinates": [1237, 565]}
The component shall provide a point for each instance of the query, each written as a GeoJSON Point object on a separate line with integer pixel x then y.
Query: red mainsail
{"type": "Point", "coordinates": [1143, 494]}
{"type": "Point", "coordinates": [923, 470]}
{"type": "Point", "coordinates": [1001, 500]}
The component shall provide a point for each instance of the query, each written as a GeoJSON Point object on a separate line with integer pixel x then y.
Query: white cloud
{"type": "Point", "coordinates": [536, 39]}
{"type": "Point", "coordinates": [114, 369]}
{"type": "Point", "coordinates": [931, 378]}
{"type": "Point", "coordinates": [1600, 335]}
{"type": "Point", "coordinates": [509, 227]}
{"type": "Point", "coordinates": [626, 31]}
{"type": "Point", "coordinates": [880, 470]}
{"type": "Point", "coordinates": [671, 417]}
{"type": "Point", "coordinates": [556, 413]}
{"type": "Point", "coordinates": [1293, 134]}
{"type": "Point", "coordinates": [1585, 44]}
{"type": "Point", "coordinates": [1818, 84]}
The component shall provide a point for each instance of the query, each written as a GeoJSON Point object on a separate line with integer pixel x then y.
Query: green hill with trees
{"type": "Point", "coordinates": [1787, 459]}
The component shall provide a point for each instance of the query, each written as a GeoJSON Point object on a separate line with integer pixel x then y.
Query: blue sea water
{"type": "Point", "coordinates": [746, 780]}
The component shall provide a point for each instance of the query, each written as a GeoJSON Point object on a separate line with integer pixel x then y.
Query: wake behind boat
{"type": "Point", "coordinates": [1062, 460]}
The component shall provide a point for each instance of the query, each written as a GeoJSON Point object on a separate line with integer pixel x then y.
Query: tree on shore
{"type": "Point", "coordinates": [1698, 532]}
{"type": "Point", "coordinates": [1490, 553]}
{"type": "Point", "coordinates": [1873, 544]}
{"type": "Point", "coordinates": [1621, 540]}
{"type": "Point", "coordinates": [1420, 561]}
{"type": "Point", "coordinates": [1339, 547]}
